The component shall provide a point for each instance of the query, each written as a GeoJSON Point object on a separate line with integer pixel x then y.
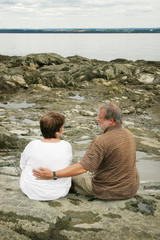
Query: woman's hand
{"type": "Point", "coordinates": [42, 173]}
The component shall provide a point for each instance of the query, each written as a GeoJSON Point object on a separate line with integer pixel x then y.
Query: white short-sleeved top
{"type": "Point", "coordinates": [54, 156]}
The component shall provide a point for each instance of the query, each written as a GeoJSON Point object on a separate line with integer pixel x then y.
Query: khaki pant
{"type": "Point", "coordinates": [83, 184]}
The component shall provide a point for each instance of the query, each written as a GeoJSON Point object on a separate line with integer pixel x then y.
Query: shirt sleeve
{"type": "Point", "coordinates": [24, 156]}
{"type": "Point", "coordinates": [93, 156]}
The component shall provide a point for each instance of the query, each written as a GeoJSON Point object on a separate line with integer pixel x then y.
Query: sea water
{"type": "Point", "coordinates": [93, 46]}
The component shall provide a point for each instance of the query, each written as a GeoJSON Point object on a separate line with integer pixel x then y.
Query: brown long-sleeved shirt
{"type": "Point", "coordinates": [112, 158]}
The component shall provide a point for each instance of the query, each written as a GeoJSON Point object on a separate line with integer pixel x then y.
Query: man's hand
{"type": "Point", "coordinates": [42, 173]}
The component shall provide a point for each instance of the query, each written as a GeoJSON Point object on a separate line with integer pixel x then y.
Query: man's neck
{"type": "Point", "coordinates": [112, 125]}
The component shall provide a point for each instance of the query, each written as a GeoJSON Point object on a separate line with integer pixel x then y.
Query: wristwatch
{"type": "Point", "coordinates": [54, 176]}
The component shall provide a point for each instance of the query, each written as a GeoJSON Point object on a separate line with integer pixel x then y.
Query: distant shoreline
{"type": "Point", "coordinates": [82, 30]}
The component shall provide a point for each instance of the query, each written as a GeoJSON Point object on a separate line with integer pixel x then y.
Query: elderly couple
{"type": "Point", "coordinates": [111, 157]}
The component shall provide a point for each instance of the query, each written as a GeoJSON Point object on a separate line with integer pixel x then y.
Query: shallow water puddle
{"type": "Point", "coordinates": [30, 122]}
{"type": "Point", "coordinates": [149, 170]}
{"type": "Point", "coordinates": [24, 104]}
{"type": "Point", "coordinates": [83, 142]}
{"type": "Point", "coordinates": [144, 207]}
{"type": "Point", "coordinates": [77, 97]}
{"type": "Point", "coordinates": [148, 166]}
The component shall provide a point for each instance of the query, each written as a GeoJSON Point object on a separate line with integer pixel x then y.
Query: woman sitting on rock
{"type": "Point", "coordinates": [50, 152]}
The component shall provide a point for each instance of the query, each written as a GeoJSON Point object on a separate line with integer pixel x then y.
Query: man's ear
{"type": "Point", "coordinates": [111, 120]}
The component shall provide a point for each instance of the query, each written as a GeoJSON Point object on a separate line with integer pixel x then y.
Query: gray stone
{"type": "Point", "coordinates": [10, 141]}
{"type": "Point", "coordinates": [76, 217]}
{"type": "Point", "coordinates": [77, 87]}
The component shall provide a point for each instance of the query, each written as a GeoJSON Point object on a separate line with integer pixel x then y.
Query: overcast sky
{"type": "Point", "coordinates": [79, 13]}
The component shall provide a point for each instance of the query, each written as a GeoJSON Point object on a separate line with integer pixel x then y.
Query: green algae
{"type": "Point", "coordinates": [112, 215]}
{"type": "Point", "coordinates": [79, 217]}
{"type": "Point", "coordinates": [74, 201]}
{"type": "Point", "coordinates": [54, 204]}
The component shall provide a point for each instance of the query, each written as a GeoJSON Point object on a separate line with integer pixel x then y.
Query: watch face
{"type": "Point", "coordinates": [54, 176]}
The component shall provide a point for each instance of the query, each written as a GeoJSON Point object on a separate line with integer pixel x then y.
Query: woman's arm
{"type": "Point", "coordinates": [45, 173]}
{"type": "Point", "coordinates": [25, 155]}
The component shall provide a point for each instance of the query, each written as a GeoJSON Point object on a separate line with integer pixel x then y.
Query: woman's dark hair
{"type": "Point", "coordinates": [50, 124]}
{"type": "Point", "coordinates": [112, 111]}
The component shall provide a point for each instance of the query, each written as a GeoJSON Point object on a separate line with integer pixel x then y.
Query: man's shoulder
{"type": "Point", "coordinates": [100, 139]}
{"type": "Point", "coordinates": [111, 133]}
{"type": "Point", "coordinates": [116, 129]}
{"type": "Point", "coordinates": [127, 131]}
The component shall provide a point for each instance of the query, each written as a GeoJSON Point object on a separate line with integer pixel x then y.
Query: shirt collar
{"type": "Point", "coordinates": [113, 127]}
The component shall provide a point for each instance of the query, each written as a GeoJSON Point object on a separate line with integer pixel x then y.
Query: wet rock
{"type": "Point", "coordinates": [32, 77]}
{"type": "Point", "coordinates": [18, 79]}
{"type": "Point", "coordinates": [109, 72]}
{"type": "Point", "coordinates": [146, 78]}
{"type": "Point", "coordinates": [7, 233]}
{"type": "Point", "coordinates": [87, 113]}
{"type": "Point", "coordinates": [56, 68]}
{"type": "Point", "coordinates": [121, 60]}
{"type": "Point", "coordinates": [122, 69]}
{"type": "Point", "coordinates": [12, 171]}
{"type": "Point", "coordinates": [79, 59]}
{"type": "Point", "coordinates": [9, 140]}
{"type": "Point", "coordinates": [76, 87]}
{"type": "Point", "coordinates": [56, 71]}
{"type": "Point", "coordinates": [102, 81]}
{"type": "Point", "coordinates": [11, 83]}
{"type": "Point", "coordinates": [63, 219]}
{"type": "Point", "coordinates": [129, 110]}
{"type": "Point", "coordinates": [51, 79]}
{"type": "Point", "coordinates": [45, 59]}
{"type": "Point", "coordinates": [40, 87]}
{"type": "Point", "coordinates": [156, 79]}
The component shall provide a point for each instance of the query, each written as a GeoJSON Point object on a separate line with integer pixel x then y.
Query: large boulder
{"type": "Point", "coordinates": [9, 140]}
{"type": "Point", "coordinates": [45, 59]}
{"type": "Point", "coordinates": [11, 83]}
{"type": "Point", "coordinates": [53, 79]}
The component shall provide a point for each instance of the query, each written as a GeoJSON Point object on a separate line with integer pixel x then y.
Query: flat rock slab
{"type": "Point", "coordinates": [77, 217]}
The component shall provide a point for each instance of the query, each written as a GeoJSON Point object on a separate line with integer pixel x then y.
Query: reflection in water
{"type": "Point", "coordinates": [30, 122]}
{"type": "Point", "coordinates": [24, 104]}
{"type": "Point", "coordinates": [149, 170]}
{"type": "Point", "coordinates": [144, 207]}
{"type": "Point", "coordinates": [77, 97]}
{"type": "Point", "coordinates": [83, 142]}
{"type": "Point", "coordinates": [148, 166]}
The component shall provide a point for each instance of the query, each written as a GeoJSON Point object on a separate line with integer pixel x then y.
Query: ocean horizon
{"type": "Point", "coordinates": [101, 46]}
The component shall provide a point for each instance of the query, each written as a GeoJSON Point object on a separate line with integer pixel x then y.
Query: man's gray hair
{"type": "Point", "coordinates": [112, 111]}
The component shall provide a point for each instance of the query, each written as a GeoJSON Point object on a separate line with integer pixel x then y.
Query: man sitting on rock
{"type": "Point", "coordinates": [111, 158]}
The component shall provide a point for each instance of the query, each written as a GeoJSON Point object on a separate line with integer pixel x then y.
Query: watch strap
{"type": "Point", "coordinates": [54, 176]}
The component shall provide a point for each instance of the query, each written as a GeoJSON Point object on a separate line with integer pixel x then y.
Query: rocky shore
{"type": "Point", "coordinates": [76, 87]}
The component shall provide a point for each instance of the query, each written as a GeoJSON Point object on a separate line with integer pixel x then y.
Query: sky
{"type": "Point", "coordinates": [79, 13]}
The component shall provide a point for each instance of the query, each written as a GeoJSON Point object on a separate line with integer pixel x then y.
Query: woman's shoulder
{"type": "Point", "coordinates": [32, 142]}
{"type": "Point", "coordinates": [64, 142]}
{"type": "Point", "coordinates": [35, 141]}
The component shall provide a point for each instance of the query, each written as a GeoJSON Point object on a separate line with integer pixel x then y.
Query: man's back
{"type": "Point", "coordinates": [112, 158]}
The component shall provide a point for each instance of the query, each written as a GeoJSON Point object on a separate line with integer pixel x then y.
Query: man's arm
{"type": "Point", "coordinates": [45, 173]}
